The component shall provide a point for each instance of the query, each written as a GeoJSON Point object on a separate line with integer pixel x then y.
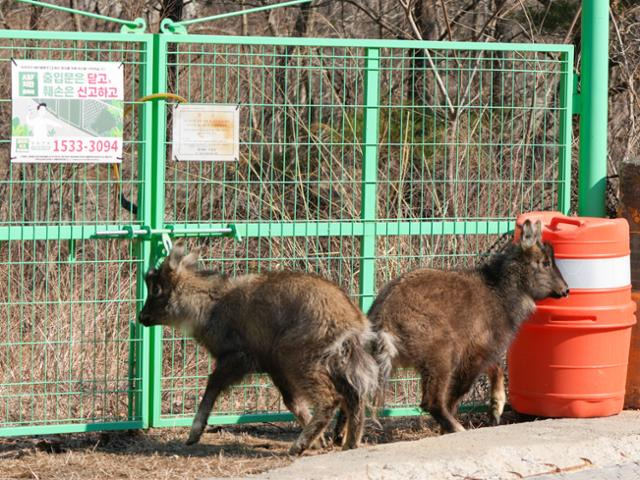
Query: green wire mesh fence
{"type": "Point", "coordinates": [69, 347]}
{"type": "Point", "coordinates": [359, 160]}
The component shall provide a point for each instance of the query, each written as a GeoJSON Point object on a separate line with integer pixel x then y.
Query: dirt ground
{"type": "Point", "coordinates": [161, 453]}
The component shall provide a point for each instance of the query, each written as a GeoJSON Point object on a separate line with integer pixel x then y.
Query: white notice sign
{"type": "Point", "coordinates": [206, 132]}
{"type": "Point", "coordinates": [66, 112]}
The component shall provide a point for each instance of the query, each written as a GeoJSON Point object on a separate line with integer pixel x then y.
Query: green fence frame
{"type": "Point", "coordinates": [368, 228]}
{"type": "Point", "coordinates": [136, 51]}
{"type": "Point", "coordinates": [365, 232]}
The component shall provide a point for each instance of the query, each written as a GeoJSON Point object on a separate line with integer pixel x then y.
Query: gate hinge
{"type": "Point", "coordinates": [169, 26]}
{"type": "Point", "coordinates": [140, 26]}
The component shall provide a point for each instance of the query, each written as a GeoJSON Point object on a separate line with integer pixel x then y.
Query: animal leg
{"type": "Point", "coordinates": [339, 429]}
{"type": "Point", "coordinates": [321, 418]}
{"type": "Point", "coordinates": [354, 408]}
{"type": "Point", "coordinates": [296, 405]}
{"type": "Point", "coordinates": [435, 393]}
{"type": "Point", "coordinates": [498, 395]}
{"type": "Point", "coordinates": [322, 391]}
{"type": "Point", "coordinates": [229, 370]}
{"type": "Point", "coordinates": [459, 386]}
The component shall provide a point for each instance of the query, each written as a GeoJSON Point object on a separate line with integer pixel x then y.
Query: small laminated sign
{"type": "Point", "coordinates": [66, 111]}
{"type": "Point", "coordinates": [206, 132]}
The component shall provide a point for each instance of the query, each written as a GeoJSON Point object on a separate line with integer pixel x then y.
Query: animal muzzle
{"type": "Point", "coordinates": [145, 319]}
{"type": "Point", "coordinates": [561, 293]}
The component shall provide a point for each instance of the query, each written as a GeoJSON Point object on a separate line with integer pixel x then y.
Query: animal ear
{"type": "Point", "coordinates": [177, 254]}
{"type": "Point", "coordinates": [190, 261]}
{"type": "Point", "coordinates": [538, 231]}
{"type": "Point", "coordinates": [150, 274]}
{"type": "Point", "coordinates": [528, 238]}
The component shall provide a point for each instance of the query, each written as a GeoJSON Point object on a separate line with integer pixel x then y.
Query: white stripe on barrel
{"type": "Point", "coordinates": [595, 273]}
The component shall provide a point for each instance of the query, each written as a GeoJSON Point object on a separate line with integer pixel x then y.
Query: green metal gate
{"type": "Point", "coordinates": [71, 355]}
{"type": "Point", "coordinates": [358, 160]}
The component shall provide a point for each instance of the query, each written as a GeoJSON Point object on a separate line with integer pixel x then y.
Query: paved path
{"type": "Point", "coordinates": [572, 449]}
{"type": "Point", "coordinates": [627, 471]}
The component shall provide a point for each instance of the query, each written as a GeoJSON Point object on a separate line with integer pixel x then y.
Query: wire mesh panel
{"type": "Point", "coordinates": [476, 137]}
{"type": "Point", "coordinates": [469, 139]}
{"type": "Point", "coordinates": [300, 111]}
{"type": "Point", "coordinates": [69, 349]}
{"type": "Point", "coordinates": [292, 196]}
{"type": "Point", "coordinates": [66, 345]}
{"type": "Point", "coordinates": [359, 160]}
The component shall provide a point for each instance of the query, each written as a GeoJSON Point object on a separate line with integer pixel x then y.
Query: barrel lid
{"type": "Point", "coordinates": [581, 237]}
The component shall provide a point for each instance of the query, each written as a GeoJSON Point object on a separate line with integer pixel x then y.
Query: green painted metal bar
{"type": "Point", "coordinates": [170, 26]}
{"type": "Point", "coordinates": [295, 41]}
{"type": "Point", "coordinates": [259, 229]}
{"type": "Point", "coordinates": [57, 232]}
{"type": "Point", "coordinates": [156, 184]}
{"type": "Point", "coordinates": [566, 101]}
{"type": "Point", "coordinates": [142, 362]}
{"type": "Point", "coordinates": [138, 24]}
{"type": "Point", "coordinates": [368, 208]}
{"type": "Point", "coordinates": [288, 417]}
{"type": "Point", "coordinates": [227, 419]}
{"type": "Point", "coordinates": [417, 411]}
{"type": "Point", "coordinates": [594, 77]}
{"type": "Point", "coordinates": [15, 431]}
{"type": "Point", "coordinates": [370, 43]}
{"type": "Point", "coordinates": [348, 228]}
{"type": "Point", "coordinates": [130, 38]}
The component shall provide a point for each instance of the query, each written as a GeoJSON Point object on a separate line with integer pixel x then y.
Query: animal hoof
{"type": "Point", "coordinates": [348, 446]}
{"type": "Point", "coordinates": [296, 449]}
{"type": "Point", "coordinates": [319, 443]}
{"type": "Point", "coordinates": [495, 419]}
{"type": "Point", "coordinates": [192, 440]}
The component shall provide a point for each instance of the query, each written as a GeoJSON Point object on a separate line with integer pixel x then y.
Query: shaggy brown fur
{"type": "Point", "coordinates": [300, 329]}
{"type": "Point", "coordinates": [453, 325]}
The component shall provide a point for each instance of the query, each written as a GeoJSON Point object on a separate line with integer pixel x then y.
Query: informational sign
{"type": "Point", "coordinates": [66, 112]}
{"type": "Point", "coordinates": [206, 132]}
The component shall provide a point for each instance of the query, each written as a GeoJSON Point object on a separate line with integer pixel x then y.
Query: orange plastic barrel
{"type": "Point", "coordinates": [570, 358]}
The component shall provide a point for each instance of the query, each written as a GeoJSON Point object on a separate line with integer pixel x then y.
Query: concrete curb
{"type": "Point", "coordinates": [540, 449]}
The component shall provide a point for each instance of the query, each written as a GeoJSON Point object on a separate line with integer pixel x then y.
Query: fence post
{"type": "Point", "coordinates": [139, 360]}
{"type": "Point", "coordinates": [594, 77]}
{"type": "Point", "coordinates": [156, 186]}
{"type": "Point", "coordinates": [566, 101]}
{"type": "Point", "coordinates": [369, 177]}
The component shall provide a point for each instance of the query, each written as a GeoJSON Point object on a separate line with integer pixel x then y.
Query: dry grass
{"type": "Point", "coordinates": [161, 454]}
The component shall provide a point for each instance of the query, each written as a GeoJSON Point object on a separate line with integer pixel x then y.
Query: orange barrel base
{"type": "Point", "coordinates": [557, 382]}
{"type": "Point", "coordinates": [570, 358]}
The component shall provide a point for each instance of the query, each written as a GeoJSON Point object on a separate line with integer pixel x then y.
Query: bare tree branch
{"type": "Point", "coordinates": [74, 17]}
{"type": "Point", "coordinates": [407, 5]}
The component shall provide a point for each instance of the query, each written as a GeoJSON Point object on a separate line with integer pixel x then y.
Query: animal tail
{"type": "Point", "coordinates": [353, 368]}
{"type": "Point", "coordinates": [384, 351]}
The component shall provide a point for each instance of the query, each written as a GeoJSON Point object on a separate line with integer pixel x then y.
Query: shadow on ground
{"type": "Point", "coordinates": [161, 453]}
